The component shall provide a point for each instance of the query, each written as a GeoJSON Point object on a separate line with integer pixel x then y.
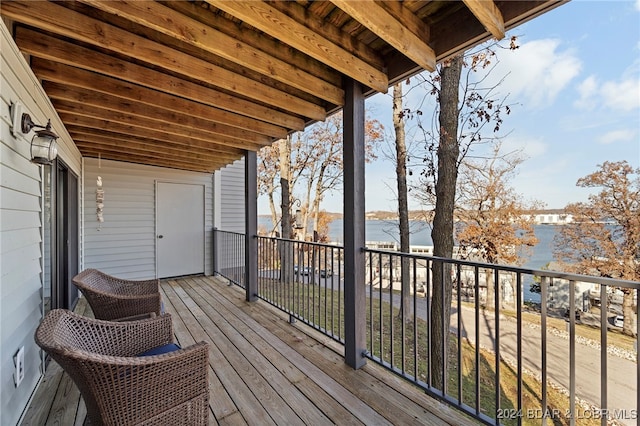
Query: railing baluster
{"type": "Point", "coordinates": [496, 288]}
{"type": "Point", "coordinates": [415, 318]}
{"type": "Point", "coordinates": [604, 328]}
{"type": "Point", "coordinates": [333, 325]}
{"type": "Point", "coordinates": [637, 364]}
{"type": "Point", "coordinates": [459, 335]}
{"type": "Point", "coordinates": [429, 302]}
{"type": "Point", "coordinates": [391, 328]}
{"type": "Point", "coordinates": [543, 341]}
{"type": "Point", "coordinates": [380, 313]}
{"type": "Point", "coordinates": [445, 325]}
{"type": "Point", "coordinates": [370, 254]}
{"type": "Point", "coordinates": [519, 291]}
{"type": "Point", "coordinates": [476, 296]}
{"type": "Point", "coordinates": [403, 309]}
{"type": "Point", "coordinates": [572, 352]}
{"type": "Point", "coordinates": [341, 292]}
{"type": "Point", "coordinates": [326, 290]}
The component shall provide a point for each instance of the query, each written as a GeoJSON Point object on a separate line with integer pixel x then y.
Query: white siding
{"type": "Point", "coordinates": [125, 244]}
{"type": "Point", "coordinates": [230, 217]}
{"type": "Point", "coordinates": [231, 198]}
{"type": "Point", "coordinates": [20, 226]}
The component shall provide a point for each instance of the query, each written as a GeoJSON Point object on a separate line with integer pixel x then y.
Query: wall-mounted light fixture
{"type": "Point", "coordinates": [43, 144]}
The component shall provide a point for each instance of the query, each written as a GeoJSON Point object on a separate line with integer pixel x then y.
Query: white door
{"type": "Point", "coordinates": [180, 229]}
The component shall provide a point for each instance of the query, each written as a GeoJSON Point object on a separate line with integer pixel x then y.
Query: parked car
{"type": "Point", "coordinates": [618, 321]}
{"type": "Point", "coordinates": [305, 270]}
{"type": "Point", "coordinates": [324, 273]}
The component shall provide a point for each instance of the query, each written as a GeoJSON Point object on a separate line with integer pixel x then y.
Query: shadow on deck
{"type": "Point", "coordinates": [263, 370]}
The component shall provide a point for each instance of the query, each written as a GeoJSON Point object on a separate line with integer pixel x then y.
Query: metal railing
{"type": "Point", "coordinates": [559, 361]}
{"type": "Point", "coordinates": [305, 280]}
{"type": "Point", "coordinates": [229, 256]}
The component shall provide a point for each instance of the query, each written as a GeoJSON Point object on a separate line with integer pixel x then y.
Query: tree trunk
{"type": "Point", "coordinates": [628, 314]}
{"type": "Point", "coordinates": [286, 248]}
{"type": "Point", "coordinates": [490, 299]}
{"type": "Point", "coordinates": [442, 232]}
{"type": "Point", "coordinates": [274, 213]}
{"type": "Point", "coordinates": [406, 308]}
{"type": "Point", "coordinates": [317, 198]}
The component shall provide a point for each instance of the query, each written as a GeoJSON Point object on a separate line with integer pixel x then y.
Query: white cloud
{"type": "Point", "coordinates": [638, 5]}
{"type": "Point", "coordinates": [587, 90]}
{"type": "Point", "coordinates": [539, 71]}
{"type": "Point", "coordinates": [622, 95]}
{"type": "Point", "coordinates": [614, 136]}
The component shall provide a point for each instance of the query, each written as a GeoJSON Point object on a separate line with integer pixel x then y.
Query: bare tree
{"type": "Point", "coordinates": [494, 224]}
{"type": "Point", "coordinates": [268, 172]}
{"type": "Point", "coordinates": [318, 156]}
{"type": "Point", "coordinates": [464, 109]}
{"type": "Point", "coordinates": [406, 310]}
{"type": "Point", "coordinates": [448, 152]}
{"type": "Point", "coordinates": [604, 237]}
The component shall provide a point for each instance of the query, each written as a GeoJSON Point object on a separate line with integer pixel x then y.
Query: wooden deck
{"type": "Point", "coordinates": [263, 370]}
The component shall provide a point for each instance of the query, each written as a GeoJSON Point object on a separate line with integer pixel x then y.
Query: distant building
{"type": "Point", "coordinates": [551, 217]}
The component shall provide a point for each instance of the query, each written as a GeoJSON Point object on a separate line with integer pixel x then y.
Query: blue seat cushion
{"type": "Point", "coordinates": [170, 347]}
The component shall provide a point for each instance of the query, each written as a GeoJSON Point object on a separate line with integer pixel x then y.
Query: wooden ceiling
{"type": "Point", "coordinates": [193, 84]}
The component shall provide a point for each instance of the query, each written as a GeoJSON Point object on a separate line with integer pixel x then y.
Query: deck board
{"type": "Point", "coordinates": [263, 370]}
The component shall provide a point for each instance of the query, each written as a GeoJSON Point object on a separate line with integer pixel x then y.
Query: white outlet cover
{"type": "Point", "coordinates": [18, 358]}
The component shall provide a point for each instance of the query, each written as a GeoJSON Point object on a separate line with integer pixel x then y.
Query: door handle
{"type": "Point", "coordinates": [160, 236]}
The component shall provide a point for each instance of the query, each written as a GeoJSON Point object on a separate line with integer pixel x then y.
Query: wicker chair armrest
{"type": "Point", "coordinates": [150, 385]}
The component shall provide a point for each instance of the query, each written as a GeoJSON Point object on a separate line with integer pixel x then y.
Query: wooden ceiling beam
{"type": "Point", "coordinates": [66, 22]}
{"type": "Point", "coordinates": [78, 124]}
{"type": "Point", "coordinates": [70, 76]}
{"type": "Point", "coordinates": [165, 20]}
{"type": "Point", "coordinates": [394, 31]}
{"type": "Point", "coordinates": [113, 154]}
{"type": "Point", "coordinates": [47, 47]}
{"type": "Point", "coordinates": [166, 147]}
{"type": "Point", "coordinates": [143, 149]}
{"type": "Point", "coordinates": [489, 16]}
{"type": "Point", "coordinates": [280, 26]}
{"type": "Point", "coordinates": [138, 110]}
{"type": "Point", "coordinates": [170, 131]}
{"type": "Point", "coordinates": [202, 13]}
{"type": "Point", "coordinates": [331, 32]}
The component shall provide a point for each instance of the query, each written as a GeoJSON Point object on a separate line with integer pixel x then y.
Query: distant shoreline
{"type": "Point", "coordinates": [418, 214]}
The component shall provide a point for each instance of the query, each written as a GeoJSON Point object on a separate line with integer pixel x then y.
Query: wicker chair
{"type": "Point", "coordinates": [120, 388]}
{"type": "Point", "coordinates": [114, 298]}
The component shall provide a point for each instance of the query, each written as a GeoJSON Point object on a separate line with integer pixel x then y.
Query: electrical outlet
{"type": "Point", "coordinates": [18, 361]}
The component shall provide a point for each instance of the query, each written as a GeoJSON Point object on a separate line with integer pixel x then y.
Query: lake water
{"type": "Point", "coordinates": [383, 230]}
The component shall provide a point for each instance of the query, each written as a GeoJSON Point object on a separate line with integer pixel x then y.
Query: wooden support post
{"type": "Point", "coordinates": [354, 222]}
{"type": "Point", "coordinates": [251, 228]}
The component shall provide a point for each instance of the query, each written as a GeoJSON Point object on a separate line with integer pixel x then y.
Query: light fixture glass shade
{"type": "Point", "coordinates": [43, 147]}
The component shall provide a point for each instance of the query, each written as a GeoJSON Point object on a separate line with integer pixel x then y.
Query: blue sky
{"type": "Point", "coordinates": [575, 81]}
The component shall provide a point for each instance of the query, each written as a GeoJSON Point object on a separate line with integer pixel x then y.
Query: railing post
{"type": "Point", "coordinates": [215, 251]}
{"type": "Point", "coordinates": [251, 218]}
{"type": "Point", "coordinates": [354, 230]}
